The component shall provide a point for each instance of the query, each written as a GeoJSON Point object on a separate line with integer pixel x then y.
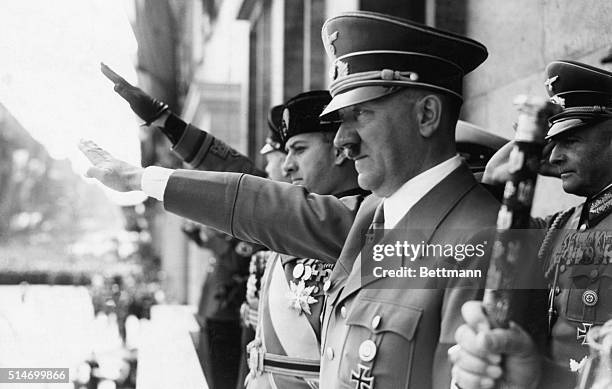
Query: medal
{"type": "Point", "coordinates": [582, 332]}
{"type": "Point", "coordinates": [362, 378]}
{"type": "Point", "coordinates": [300, 297]}
{"type": "Point", "coordinates": [367, 350]}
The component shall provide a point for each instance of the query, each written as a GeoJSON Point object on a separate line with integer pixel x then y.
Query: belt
{"type": "Point", "coordinates": [261, 361]}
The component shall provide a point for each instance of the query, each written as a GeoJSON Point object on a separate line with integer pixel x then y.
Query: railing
{"type": "Point", "coordinates": [167, 357]}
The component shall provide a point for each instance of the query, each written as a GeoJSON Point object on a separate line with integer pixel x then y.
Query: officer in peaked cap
{"type": "Point", "coordinates": [397, 90]}
{"type": "Point", "coordinates": [397, 87]}
{"type": "Point", "coordinates": [584, 92]}
{"type": "Point", "coordinates": [288, 334]}
{"type": "Point", "coordinates": [576, 249]}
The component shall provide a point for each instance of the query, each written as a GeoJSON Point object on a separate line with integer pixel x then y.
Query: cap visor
{"type": "Point", "coordinates": [565, 125]}
{"type": "Point", "coordinates": [356, 96]}
{"type": "Point", "coordinates": [266, 149]}
{"type": "Point", "coordinates": [466, 132]}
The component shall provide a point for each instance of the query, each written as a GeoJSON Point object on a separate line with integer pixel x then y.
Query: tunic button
{"type": "Point", "coordinates": [298, 270]}
{"type": "Point", "coordinates": [593, 274]}
{"type": "Point", "coordinates": [562, 268]}
{"type": "Point", "coordinates": [326, 285]}
{"type": "Point", "coordinates": [557, 290]}
{"type": "Point", "coordinates": [343, 312]}
{"type": "Point", "coordinates": [329, 353]}
{"type": "Point", "coordinates": [376, 322]}
{"type": "Point", "coordinates": [582, 228]}
{"type": "Point", "coordinates": [589, 298]}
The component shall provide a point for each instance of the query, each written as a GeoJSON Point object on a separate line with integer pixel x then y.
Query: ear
{"type": "Point", "coordinates": [429, 113]}
{"type": "Point", "coordinates": [340, 156]}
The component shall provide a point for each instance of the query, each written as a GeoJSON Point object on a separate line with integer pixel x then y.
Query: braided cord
{"type": "Point", "coordinates": [550, 236]}
{"type": "Point", "coordinates": [385, 74]}
{"type": "Point", "coordinates": [589, 109]}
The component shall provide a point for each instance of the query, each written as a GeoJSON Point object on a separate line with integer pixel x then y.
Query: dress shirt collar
{"type": "Point", "coordinates": [413, 190]}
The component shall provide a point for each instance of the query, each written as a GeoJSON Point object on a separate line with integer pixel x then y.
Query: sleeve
{"type": "Point", "coordinates": [202, 151]}
{"type": "Point", "coordinates": [283, 217]}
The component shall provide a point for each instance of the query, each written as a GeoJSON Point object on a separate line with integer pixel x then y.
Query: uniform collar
{"type": "Point", "coordinates": [400, 202]}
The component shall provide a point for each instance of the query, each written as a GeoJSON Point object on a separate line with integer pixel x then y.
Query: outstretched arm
{"type": "Point", "coordinates": [199, 149]}
{"type": "Point", "coordinates": [280, 216]}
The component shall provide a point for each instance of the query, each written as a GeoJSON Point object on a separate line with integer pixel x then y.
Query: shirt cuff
{"type": "Point", "coordinates": [154, 181]}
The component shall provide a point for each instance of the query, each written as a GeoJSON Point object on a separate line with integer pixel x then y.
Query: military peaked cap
{"type": "Point", "coordinates": [274, 141]}
{"type": "Point", "coordinates": [476, 145]}
{"type": "Point", "coordinates": [584, 92]}
{"type": "Point", "coordinates": [373, 55]}
{"type": "Point", "coordinates": [301, 115]}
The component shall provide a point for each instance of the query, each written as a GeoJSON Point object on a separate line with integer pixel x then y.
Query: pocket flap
{"type": "Point", "coordinates": [381, 316]}
{"type": "Point", "coordinates": [591, 271]}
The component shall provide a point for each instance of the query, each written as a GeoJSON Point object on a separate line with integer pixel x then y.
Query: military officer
{"type": "Point", "coordinates": [285, 352]}
{"type": "Point", "coordinates": [576, 251]}
{"type": "Point", "coordinates": [397, 88]}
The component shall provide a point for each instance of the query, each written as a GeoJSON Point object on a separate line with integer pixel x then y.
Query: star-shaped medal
{"type": "Point", "coordinates": [300, 297]}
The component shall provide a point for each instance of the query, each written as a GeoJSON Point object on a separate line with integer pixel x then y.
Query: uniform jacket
{"type": "Point", "coordinates": [584, 295]}
{"type": "Point", "coordinates": [284, 330]}
{"type": "Point", "coordinates": [416, 326]}
{"type": "Point", "coordinates": [411, 327]}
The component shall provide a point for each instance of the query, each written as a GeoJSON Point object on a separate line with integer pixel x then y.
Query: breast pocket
{"type": "Point", "coordinates": [589, 297]}
{"type": "Point", "coordinates": [379, 343]}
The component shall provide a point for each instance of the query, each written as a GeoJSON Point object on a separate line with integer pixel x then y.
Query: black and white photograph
{"type": "Point", "coordinates": [309, 194]}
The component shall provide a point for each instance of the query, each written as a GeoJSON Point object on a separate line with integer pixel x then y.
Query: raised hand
{"type": "Point", "coordinates": [498, 168]}
{"type": "Point", "coordinates": [143, 105]}
{"type": "Point", "coordinates": [110, 171]}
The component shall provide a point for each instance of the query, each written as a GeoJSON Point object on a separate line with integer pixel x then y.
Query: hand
{"type": "Point", "coordinates": [143, 105]}
{"type": "Point", "coordinates": [484, 358]}
{"type": "Point", "coordinates": [497, 171]}
{"type": "Point", "coordinates": [110, 171]}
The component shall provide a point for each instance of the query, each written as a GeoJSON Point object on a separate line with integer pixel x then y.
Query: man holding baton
{"type": "Point", "coordinates": [576, 252]}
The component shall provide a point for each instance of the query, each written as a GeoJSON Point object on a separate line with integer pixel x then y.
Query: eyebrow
{"type": "Point", "coordinates": [297, 143]}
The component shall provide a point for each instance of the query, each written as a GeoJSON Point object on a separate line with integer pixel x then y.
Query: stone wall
{"type": "Point", "coordinates": [522, 36]}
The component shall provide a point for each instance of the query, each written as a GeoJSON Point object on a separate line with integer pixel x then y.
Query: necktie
{"type": "Point", "coordinates": [375, 231]}
{"type": "Point", "coordinates": [378, 221]}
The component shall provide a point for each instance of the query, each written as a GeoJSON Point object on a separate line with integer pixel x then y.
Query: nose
{"type": "Point", "coordinates": [348, 140]}
{"type": "Point", "coordinates": [289, 166]}
{"type": "Point", "coordinates": [557, 156]}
